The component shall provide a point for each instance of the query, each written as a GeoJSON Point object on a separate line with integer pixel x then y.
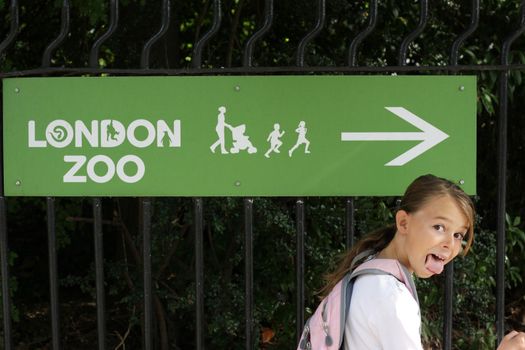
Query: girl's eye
{"type": "Point", "coordinates": [459, 236]}
{"type": "Point", "coordinates": [439, 228]}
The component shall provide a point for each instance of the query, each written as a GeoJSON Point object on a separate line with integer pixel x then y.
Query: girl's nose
{"type": "Point", "coordinates": [449, 242]}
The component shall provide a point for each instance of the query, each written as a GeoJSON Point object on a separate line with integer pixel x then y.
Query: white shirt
{"type": "Point", "coordinates": [383, 316]}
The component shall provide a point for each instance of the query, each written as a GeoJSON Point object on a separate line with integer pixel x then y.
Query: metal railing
{"type": "Point", "coordinates": [247, 68]}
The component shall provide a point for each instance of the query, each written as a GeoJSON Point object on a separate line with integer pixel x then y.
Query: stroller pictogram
{"type": "Point", "coordinates": [241, 142]}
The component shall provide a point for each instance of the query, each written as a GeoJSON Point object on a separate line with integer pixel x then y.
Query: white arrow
{"type": "Point", "coordinates": [430, 135]}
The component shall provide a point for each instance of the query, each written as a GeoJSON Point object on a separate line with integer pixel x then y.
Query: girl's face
{"type": "Point", "coordinates": [432, 235]}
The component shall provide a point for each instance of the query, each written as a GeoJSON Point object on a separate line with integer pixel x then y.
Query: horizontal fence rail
{"type": "Point", "coordinates": [203, 62]}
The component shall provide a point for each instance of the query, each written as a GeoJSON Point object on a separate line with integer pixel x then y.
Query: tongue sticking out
{"type": "Point", "coordinates": [434, 265]}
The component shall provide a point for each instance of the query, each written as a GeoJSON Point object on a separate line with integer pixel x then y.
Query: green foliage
{"type": "Point", "coordinates": [515, 243]}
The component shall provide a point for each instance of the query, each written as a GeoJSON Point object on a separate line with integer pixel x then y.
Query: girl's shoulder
{"type": "Point", "coordinates": [380, 285]}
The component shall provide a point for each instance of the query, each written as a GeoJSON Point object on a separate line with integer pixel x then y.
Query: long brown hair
{"type": "Point", "coordinates": [418, 193]}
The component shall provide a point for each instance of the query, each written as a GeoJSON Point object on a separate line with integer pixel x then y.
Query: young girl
{"type": "Point", "coordinates": [434, 223]}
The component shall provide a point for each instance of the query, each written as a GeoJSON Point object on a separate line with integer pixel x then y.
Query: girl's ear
{"type": "Point", "coordinates": [402, 218]}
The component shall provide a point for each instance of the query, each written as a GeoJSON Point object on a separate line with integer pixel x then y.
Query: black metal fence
{"type": "Point", "coordinates": [265, 22]}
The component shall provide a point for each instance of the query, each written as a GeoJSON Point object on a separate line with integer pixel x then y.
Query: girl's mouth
{"type": "Point", "coordinates": [435, 263]}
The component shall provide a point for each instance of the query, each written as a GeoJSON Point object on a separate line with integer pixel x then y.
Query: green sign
{"type": "Point", "coordinates": [236, 135]}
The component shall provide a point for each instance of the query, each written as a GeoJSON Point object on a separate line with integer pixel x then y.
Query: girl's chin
{"type": "Point", "coordinates": [425, 273]}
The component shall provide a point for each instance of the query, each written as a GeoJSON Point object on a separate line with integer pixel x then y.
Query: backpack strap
{"type": "Point", "coordinates": [364, 255]}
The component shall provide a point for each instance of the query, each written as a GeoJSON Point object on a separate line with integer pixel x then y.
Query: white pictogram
{"type": "Point", "coordinates": [240, 141]}
{"type": "Point", "coordinates": [301, 138]}
{"type": "Point", "coordinates": [274, 139]}
{"type": "Point", "coordinates": [221, 124]}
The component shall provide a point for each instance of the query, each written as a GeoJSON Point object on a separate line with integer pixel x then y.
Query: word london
{"type": "Point", "coordinates": [60, 133]}
{"type": "Point", "coordinates": [108, 133]}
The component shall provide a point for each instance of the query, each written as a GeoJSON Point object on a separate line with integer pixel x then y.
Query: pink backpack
{"type": "Point", "coordinates": [325, 328]}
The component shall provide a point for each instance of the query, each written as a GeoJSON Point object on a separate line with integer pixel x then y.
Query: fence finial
{"type": "Point", "coordinates": [144, 59]}
{"type": "Point", "coordinates": [372, 21]}
{"type": "Point", "coordinates": [64, 29]}
{"type": "Point", "coordinates": [321, 15]}
{"type": "Point", "coordinates": [474, 21]}
{"type": "Point", "coordinates": [113, 23]}
{"type": "Point", "coordinates": [268, 19]}
{"type": "Point", "coordinates": [199, 46]}
{"type": "Point", "coordinates": [13, 32]}
{"type": "Point", "coordinates": [423, 18]}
